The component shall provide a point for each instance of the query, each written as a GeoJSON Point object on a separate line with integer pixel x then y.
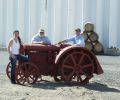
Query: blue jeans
{"type": "Point", "coordinates": [19, 57]}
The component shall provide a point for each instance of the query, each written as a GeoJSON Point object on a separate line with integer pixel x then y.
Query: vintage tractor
{"type": "Point", "coordinates": [72, 64]}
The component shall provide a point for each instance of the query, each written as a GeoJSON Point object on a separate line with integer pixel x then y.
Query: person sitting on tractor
{"type": "Point", "coordinates": [41, 38]}
{"type": "Point", "coordinates": [77, 40]}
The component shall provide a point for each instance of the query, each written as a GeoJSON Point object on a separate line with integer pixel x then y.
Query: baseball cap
{"type": "Point", "coordinates": [78, 30]}
{"type": "Point", "coordinates": [41, 30]}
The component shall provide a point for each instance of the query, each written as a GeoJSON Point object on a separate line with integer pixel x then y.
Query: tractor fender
{"type": "Point", "coordinates": [97, 67]}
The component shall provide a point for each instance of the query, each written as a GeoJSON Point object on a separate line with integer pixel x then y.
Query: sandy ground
{"type": "Point", "coordinates": [102, 87]}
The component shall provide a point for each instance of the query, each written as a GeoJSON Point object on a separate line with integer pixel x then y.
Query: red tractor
{"type": "Point", "coordinates": [73, 64]}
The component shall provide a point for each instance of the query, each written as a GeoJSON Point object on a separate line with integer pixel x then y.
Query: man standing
{"type": "Point", "coordinates": [41, 38]}
{"type": "Point", "coordinates": [77, 40]}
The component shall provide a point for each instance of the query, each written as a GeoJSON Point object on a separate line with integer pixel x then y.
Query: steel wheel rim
{"type": "Point", "coordinates": [8, 70]}
{"type": "Point", "coordinates": [27, 73]}
{"type": "Point", "coordinates": [76, 72]}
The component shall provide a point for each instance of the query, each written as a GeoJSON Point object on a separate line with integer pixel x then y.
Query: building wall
{"type": "Point", "coordinates": [59, 18]}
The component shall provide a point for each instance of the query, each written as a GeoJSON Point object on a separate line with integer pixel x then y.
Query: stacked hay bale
{"type": "Point", "coordinates": [92, 39]}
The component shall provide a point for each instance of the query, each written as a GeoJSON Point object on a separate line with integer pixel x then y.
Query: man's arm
{"type": "Point", "coordinates": [35, 40]}
{"type": "Point", "coordinates": [67, 40]}
{"type": "Point", "coordinates": [81, 42]}
{"type": "Point", "coordinates": [47, 41]}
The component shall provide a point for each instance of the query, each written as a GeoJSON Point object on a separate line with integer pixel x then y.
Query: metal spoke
{"type": "Point", "coordinates": [78, 77]}
{"type": "Point", "coordinates": [81, 59]}
{"type": "Point", "coordinates": [86, 66]}
{"type": "Point", "coordinates": [68, 66]}
{"type": "Point", "coordinates": [21, 77]}
{"type": "Point", "coordinates": [73, 59]}
{"type": "Point", "coordinates": [24, 81]}
{"type": "Point", "coordinates": [28, 80]}
{"type": "Point", "coordinates": [70, 75]}
{"type": "Point", "coordinates": [84, 74]}
{"type": "Point", "coordinates": [33, 70]}
{"type": "Point", "coordinates": [25, 68]}
{"type": "Point", "coordinates": [31, 77]}
{"type": "Point", "coordinates": [29, 68]}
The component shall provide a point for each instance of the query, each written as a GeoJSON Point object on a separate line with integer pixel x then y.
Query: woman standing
{"type": "Point", "coordinates": [13, 49]}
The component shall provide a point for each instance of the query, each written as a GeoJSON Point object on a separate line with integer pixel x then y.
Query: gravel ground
{"type": "Point", "coordinates": [101, 87]}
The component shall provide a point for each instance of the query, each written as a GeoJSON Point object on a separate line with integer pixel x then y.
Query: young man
{"type": "Point", "coordinates": [77, 40]}
{"type": "Point", "coordinates": [41, 38]}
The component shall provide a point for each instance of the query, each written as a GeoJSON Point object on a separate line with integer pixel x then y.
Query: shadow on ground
{"type": "Point", "coordinates": [91, 86]}
{"type": "Point", "coordinates": [49, 85]}
{"type": "Point", "coordinates": [100, 87]}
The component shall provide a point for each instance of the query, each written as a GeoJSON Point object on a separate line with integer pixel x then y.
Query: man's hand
{"type": "Point", "coordinates": [43, 43]}
{"type": "Point", "coordinates": [61, 42]}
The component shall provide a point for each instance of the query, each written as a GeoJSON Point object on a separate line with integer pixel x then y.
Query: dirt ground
{"type": "Point", "coordinates": [101, 87]}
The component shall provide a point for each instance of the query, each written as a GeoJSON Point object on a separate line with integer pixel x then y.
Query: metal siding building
{"type": "Point", "coordinates": [59, 18]}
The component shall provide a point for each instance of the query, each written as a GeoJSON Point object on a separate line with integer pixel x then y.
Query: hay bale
{"type": "Point", "coordinates": [98, 47]}
{"type": "Point", "coordinates": [89, 27]}
{"type": "Point", "coordinates": [89, 46]}
{"type": "Point", "coordinates": [94, 37]}
{"type": "Point", "coordinates": [84, 34]}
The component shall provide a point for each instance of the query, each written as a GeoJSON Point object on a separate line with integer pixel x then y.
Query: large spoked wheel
{"type": "Point", "coordinates": [77, 67]}
{"type": "Point", "coordinates": [27, 73]}
{"type": "Point", "coordinates": [8, 70]}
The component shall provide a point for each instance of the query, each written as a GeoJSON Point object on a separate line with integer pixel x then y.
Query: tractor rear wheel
{"type": "Point", "coordinates": [77, 67]}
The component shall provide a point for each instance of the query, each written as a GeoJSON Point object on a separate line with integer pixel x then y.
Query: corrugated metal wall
{"type": "Point", "coordinates": [59, 18]}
